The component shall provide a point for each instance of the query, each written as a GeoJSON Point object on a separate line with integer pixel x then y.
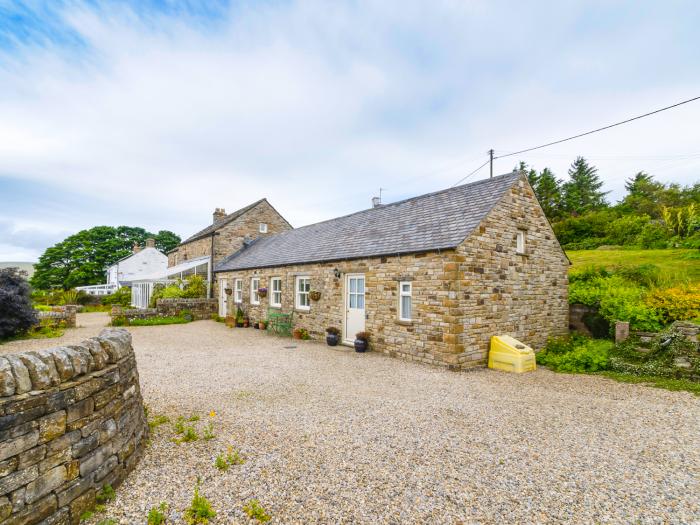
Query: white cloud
{"type": "Point", "coordinates": [317, 105]}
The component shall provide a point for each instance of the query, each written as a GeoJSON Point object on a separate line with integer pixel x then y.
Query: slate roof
{"type": "Point", "coordinates": [222, 222]}
{"type": "Point", "coordinates": [439, 220]}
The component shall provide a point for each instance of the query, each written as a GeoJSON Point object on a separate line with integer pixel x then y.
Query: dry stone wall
{"type": "Point", "coordinates": [199, 308]}
{"type": "Point", "coordinates": [65, 316]}
{"type": "Point", "coordinates": [71, 421]}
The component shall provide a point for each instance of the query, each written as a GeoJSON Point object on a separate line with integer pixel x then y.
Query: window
{"type": "Point", "coordinates": [303, 288]}
{"type": "Point", "coordinates": [238, 290]}
{"type": "Point", "coordinates": [254, 285]}
{"type": "Point", "coordinates": [520, 242]}
{"type": "Point", "coordinates": [263, 227]}
{"type": "Point", "coordinates": [405, 290]}
{"type": "Point", "coordinates": [276, 292]}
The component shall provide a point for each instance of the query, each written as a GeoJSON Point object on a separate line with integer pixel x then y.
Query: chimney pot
{"type": "Point", "coordinates": [219, 213]}
{"type": "Point", "coordinates": [376, 202]}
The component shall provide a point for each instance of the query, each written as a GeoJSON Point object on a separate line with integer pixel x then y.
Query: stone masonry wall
{"type": "Point", "coordinates": [199, 308]}
{"type": "Point", "coordinates": [420, 339]}
{"type": "Point", "coordinates": [230, 238]}
{"type": "Point", "coordinates": [460, 297]}
{"type": "Point", "coordinates": [71, 421]}
{"type": "Point", "coordinates": [65, 315]}
{"type": "Point", "coordinates": [502, 292]}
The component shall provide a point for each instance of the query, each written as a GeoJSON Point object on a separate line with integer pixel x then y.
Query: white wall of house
{"type": "Point", "coordinates": [145, 263]}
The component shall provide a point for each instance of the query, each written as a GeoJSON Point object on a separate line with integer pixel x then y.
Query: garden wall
{"type": "Point", "coordinates": [65, 315]}
{"type": "Point", "coordinates": [199, 308]}
{"type": "Point", "coordinates": [71, 421]}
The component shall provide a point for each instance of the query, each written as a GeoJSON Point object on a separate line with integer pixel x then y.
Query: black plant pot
{"type": "Point", "coordinates": [360, 345]}
{"type": "Point", "coordinates": [255, 325]}
{"type": "Point", "coordinates": [332, 339]}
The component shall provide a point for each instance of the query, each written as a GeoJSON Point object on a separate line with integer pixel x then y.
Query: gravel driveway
{"type": "Point", "coordinates": [331, 436]}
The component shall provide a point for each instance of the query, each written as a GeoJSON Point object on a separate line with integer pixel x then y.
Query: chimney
{"type": "Point", "coordinates": [219, 213]}
{"type": "Point", "coordinates": [136, 248]}
{"type": "Point", "coordinates": [376, 202]}
{"type": "Point", "coordinates": [150, 243]}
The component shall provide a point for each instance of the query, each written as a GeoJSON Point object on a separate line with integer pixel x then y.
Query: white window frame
{"type": "Point", "coordinates": [520, 242]}
{"type": "Point", "coordinates": [238, 291]}
{"type": "Point", "coordinates": [299, 294]}
{"type": "Point", "coordinates": [274, 280]}
{"type": "Point", "coordinates": [263, 227]}
{"type": "Point", "coordinates": [403, 294]}
{"type": "Point", "coordinates": [254, 285]}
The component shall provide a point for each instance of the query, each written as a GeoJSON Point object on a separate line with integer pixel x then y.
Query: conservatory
{"type": "Point", "coordinates": [142, 289]}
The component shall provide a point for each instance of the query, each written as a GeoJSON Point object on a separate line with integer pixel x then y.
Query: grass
{"type": "Point", "coordinates": [678, 265]}
{"type": "Point", "coordinates": [43, 332]}
{"type": "Point", "coordinates": [674, 385]}
{"type": "Point", "coordinates": [150, 321]}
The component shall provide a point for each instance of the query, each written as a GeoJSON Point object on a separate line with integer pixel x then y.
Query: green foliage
{"type": "Point", "coordinates": [209, 432]}
{"type": "Point", "coordinates": [17, 314]}
{"type": "Point", "coordinates": [121, 297]}
{"type": "Point", "coordinates": [157, 515]}
{"type": "Point", "coordinates": [256, 511]}
{"type": "Point", "coordinates": [106, 494]}
{"type": "Point", "coordinates": [81, 259]}
{"type": "Point", "coordinates": [158, 421]}
{"type": "Point", "coordinates": [179, 425]}
{"type": "Point", "coordinates": [150, 321]}
{"type": "Point", "coordinates": [575, 354]}
{"type": "Point", "coordinates": [680, 303]}
{"type": "Point", "coordinates": [221, 463]}
{"type": "Point", "coordinates": [674, 385]}
{"type": "Point", "coordinates": [233, 457]}
{"type": "Point", "coordinates": [581, 193]}
{"type": "Point", "coordinates": [70, 297]}
{"type": "Point", "coordinates": [193, 287]}
{"type": "Point", "coordinates": [200, 510]}
{"type": "Point", "coordinates": [107, 521]}
{"type": "Point", "coordinates": [42, 308]}
{"type": "Point", "coordinates": [44, 330]}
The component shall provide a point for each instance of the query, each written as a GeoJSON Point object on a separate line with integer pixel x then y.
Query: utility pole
{"type": "Point", "coordinates": [491, 162]}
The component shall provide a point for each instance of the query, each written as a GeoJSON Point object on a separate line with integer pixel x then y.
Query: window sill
{"type": "Point", "coordinates": [404, 322]}
{"type": "Point", "coordinates": [301, 309]}
{"type": "Point", "coordinates": [254, 304]}
{"type": "Point", "coordinates": [276, 306]}
{"type": "Point", "coordinates": [524, 254]}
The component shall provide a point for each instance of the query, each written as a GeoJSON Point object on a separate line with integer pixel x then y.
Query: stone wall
{"type": "Point", "coordinates": [71, 421]}
{"type": "Point", "coordinates": [65, 315]}
{"type": "Point", "coordinates": [199, 308]}
{"type": "Point", "coordinates": [230, 236]}
{"type": "Point", "coordinates": [460, 297]}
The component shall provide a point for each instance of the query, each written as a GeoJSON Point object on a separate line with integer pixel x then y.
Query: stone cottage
{"type": "Point", "coordinates": [431, 278]}
{"type": "Point", "coordinates": [198, 254]}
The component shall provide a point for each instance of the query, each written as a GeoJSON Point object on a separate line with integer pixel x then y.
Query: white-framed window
{"type": "Point", "coordinates": [276, 291]}
{"type": "Point", "coordinates": [405, 292]}
{"type": "Point", "coordinates": [263, 227]}
{"type": "Point", "coordinates": [254, 285]}
{"type": "Point", "coordinates": [238, 291]}
{"type": "Point", "coordinates": [303, 287]}
{"type": "Point", "coordinates": [520, 242]}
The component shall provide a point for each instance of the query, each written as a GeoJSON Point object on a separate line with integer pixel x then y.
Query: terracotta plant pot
{"type": "Point", "coordinates": [230, 321]}
{"type": "Point", "coordinates": [262, 325]}
{"type": "Point", "coordinates": [296, 334]}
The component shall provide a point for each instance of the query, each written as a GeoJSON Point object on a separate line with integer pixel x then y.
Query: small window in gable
{"type": "Point", "coordinates": [520, 242]}
{"type": "Point", "coordinates": [263, 227]}
{"type": "Point", "coordinates": [405, 293]}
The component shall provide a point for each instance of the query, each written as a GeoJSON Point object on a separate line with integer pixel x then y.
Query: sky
{"type": "Point", "coordinates": [153, 113]}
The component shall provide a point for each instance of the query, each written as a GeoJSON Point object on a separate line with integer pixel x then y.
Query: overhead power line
{"type": "Point", "coordinates": [470, 174]}
{"type": "Point", "coordinates": [597, 130]}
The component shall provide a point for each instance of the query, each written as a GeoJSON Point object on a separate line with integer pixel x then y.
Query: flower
{"type": "Point", "coordinates": [212, 414]}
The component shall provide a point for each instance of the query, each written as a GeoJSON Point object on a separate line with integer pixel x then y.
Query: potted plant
{"type": "Point", "coordinates": [296, 333]}
{"type": "Point", "coordinates": [315, 295]}
{"type": "Point", "coordinates": [332, 336]}
{"type": "Point", "coordinates": [262, 325]}
{"type": "Point", "coordinates": [262, 292]}
{"type": "Point", "coordinates": [246, 322]}
{"type": "Point", "coordinates": [254, 324]}
{"type": "Point", "coordinates": [361, 341]}
{"type": "Point", "coordinates": [228, 291]}
{"type": "Point", "coordinates": [230, 321]}
{"type": "Point", "coordinates": [239, 318]}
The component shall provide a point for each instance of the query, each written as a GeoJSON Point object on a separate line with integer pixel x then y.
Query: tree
{"type": "Point", "coordinates": [81, 259]}
{"type": "Point", "coordinates": [548, 191]}
{"type": "Point", "coordinates": [582, 193]}
{"type": "Point", "coordinates": [643, 195]}
{"type": "Point", "coordinates": [16, 311]}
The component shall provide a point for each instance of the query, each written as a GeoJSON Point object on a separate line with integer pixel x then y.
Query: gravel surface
{"type": "Point", "coordinates": [331, 436]}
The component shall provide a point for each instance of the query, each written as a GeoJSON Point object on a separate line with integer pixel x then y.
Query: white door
{"type": "Point", "coordinates": [222, 298]}
{"type": "Point", "coordinates": [354, 306]}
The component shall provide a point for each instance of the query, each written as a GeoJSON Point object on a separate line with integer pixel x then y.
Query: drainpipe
{"type": "Point", "coordinates": [211, 266]}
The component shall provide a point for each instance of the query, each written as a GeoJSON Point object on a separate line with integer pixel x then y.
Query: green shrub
{"type": "Point", "coordinates": [42, 308]}
{"type": "Point", "coordinates": [105, 495]}
{"type": "Point", "coordinates": [680, 303]}
{"type": "Point", "coordinates": [200, 510]}
{"type": "Point", "coordinates": [575, 354]}
{"type": "Point", "coordinates": [157, 515]}
{"type": "Point", "coordinates": [626, 229]}
{"type": "Point", "coordinates": [193, 287]}
{"type": "Point", "coordinates": [221, 462]}
{"type": "Point", "coordinates": [156, 321]}
{"type": "Point", "coordinates": [16, 312]}
{"type": "Point", "coordinates": [122, 297]}
{"type": "Point", "coordinates": [256, 511]}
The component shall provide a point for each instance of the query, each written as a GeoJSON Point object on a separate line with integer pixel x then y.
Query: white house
{"type": "Point", "coordinates": [142, 263]}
